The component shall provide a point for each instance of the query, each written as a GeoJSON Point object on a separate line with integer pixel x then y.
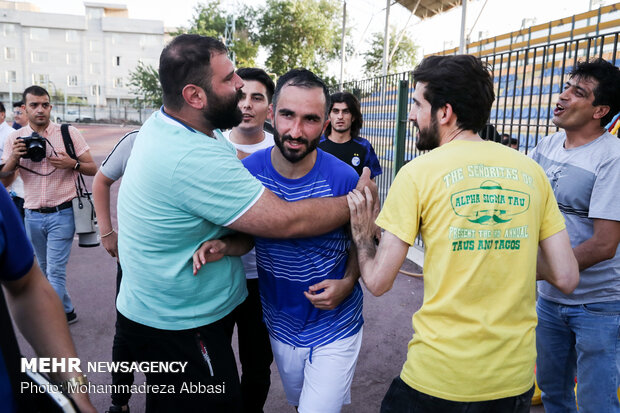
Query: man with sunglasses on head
{"type": "Point", "coordinates": [49, 187]}
{"type": "Point", "coordinates": [19, 116]}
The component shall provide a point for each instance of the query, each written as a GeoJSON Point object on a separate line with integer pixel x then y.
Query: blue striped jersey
{"type": "Point", "coordinates": [288, 267]}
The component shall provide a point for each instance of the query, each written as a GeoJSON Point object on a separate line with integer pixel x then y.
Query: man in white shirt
{"type": "Point", "coordinates": [249, 136]}
{"type": "Point", "coordinates": [5, 128]}
{"type": "Point", "coordinates": [16, 190]}
{"type": "Point", "coordinates": [254, 347]}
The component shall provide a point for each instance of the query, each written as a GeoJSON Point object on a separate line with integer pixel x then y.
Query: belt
{"type": "Point", "coordinates": [49, 210]}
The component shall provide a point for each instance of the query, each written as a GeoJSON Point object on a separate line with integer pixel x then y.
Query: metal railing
{"type": "Point", "coordinates": [72, 113]}
{"type": "Point", "coordinates": [527, 84]}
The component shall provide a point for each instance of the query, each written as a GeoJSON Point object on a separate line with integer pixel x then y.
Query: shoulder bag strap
{"type": "Point", "coordinates": [66, 137]}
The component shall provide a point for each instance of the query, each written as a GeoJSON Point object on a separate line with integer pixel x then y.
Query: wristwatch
{"type": "Point", "coordinates": [77, 166]}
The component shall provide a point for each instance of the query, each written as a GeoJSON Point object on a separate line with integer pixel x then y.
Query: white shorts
{"type": "Point", "coordinates": [318, 379]}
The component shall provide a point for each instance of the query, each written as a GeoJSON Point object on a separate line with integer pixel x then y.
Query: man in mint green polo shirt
{"type": "Point", "coordinates": [184, 185]}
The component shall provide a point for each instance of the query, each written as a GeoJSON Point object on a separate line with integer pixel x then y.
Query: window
{"type": "Point", "coordinates": [40, 79]}
{"type": "Point", "coordinates": [95, 46]}
{"type": "Point", "coordinates": [38, 33]}
{"type": "Point", "coordinates": [72, 36]}
{"type": "Point", "coordinates": [117, 61]}
{"type": "Point", "coordinates": [9, 29]}
{"type": "Point", "coordinates": [118, 82]}
{"type": "Point", "coordinates": [95, 90]}
{"type": "Point", "coordinates": [9, 53]}
{"type": "Point", "coordinates": [95, 69]}
{"type": "Point", "coordinates": [72, 80]}
{"type": "Point", "coordinates": [73, 59]}
{"type": "Point", "coordinates": [11, 76]}
{"type": "Point", "coordinates": [39, 57]}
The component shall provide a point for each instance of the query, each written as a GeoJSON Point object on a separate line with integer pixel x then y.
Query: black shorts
{"type": "Point", "coordinates": [209, 383]}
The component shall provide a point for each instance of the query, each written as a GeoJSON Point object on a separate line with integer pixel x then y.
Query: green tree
{"type": "Point", "coordinates": [144, 83]}
{"type": "Point", "coordinates": [210, 20]}
{"type": "Point", "coordinates": [403, 58]}
{"type": "Point", "coordinates": [300, 33]}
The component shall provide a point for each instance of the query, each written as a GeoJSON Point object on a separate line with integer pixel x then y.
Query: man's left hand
{"type": "Point", "coordinates": [334, 292]}
{"type": "Point", "coordinates": [62, 161]}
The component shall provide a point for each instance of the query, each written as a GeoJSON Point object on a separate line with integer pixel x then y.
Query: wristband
{"type": "Point", "coordinates": [108, 234]}
{"type": "Point", "coordinates": [73, 384]}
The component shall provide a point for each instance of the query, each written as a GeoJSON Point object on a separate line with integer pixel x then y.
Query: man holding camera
{"type": "Point", "coordinates": [37, 153]}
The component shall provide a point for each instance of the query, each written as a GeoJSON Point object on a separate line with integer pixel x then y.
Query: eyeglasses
{"type": "Point", "coordinates": [17, 112]}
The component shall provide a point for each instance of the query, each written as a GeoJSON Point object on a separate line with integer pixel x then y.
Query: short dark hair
{"type": "Point", "coordinates": [186, 60]}
{"type": "Point", "coordinates": [464, 82]}
{"type": "Point", "coordinates": [607, 92]}
{"type": "Point", "coordinates": [259, 75]}
{"type": "Point", "coordinates": [2, 108]}
{"type": "Point", "coordinates": [354, 107]}
{"type": "Point", "coordinates": [301, 78]}
{"type": "Point", "coordinates": [509, 140]}
{"type": "Point", "coordinates": [18, 104]}
{"type": "Point", "coordinates": [35, 91]}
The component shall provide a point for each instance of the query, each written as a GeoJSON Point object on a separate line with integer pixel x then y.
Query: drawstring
{"type": "Point", "coordinates": [311, 350]}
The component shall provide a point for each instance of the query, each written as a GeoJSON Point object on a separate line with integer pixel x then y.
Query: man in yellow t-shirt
{"type": "Point", "coordinates": [483, 211]}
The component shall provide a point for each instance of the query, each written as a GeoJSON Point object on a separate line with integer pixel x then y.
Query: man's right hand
{"type": "Point", "coordinates": [19, 150]}
{"type": "Point", "coordinates": [365, 181]}
{"type": "Point", "coordinates": [110, 243]}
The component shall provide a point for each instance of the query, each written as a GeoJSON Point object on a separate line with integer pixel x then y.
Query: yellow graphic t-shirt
{"type": "Point", "coordinates": [481, 209]}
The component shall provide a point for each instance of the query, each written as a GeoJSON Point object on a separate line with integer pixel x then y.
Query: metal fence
{"type": "Point", "coordinates": [71, 113]}
{"type": "Point", "coordinates": [527, 84]}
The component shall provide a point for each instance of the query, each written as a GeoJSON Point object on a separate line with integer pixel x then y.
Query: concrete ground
{"type": "Point", "coordinates": [91, 283]}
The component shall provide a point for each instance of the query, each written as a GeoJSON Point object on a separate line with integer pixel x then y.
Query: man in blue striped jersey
{"type": "Point", "coordinates": [311, 299]}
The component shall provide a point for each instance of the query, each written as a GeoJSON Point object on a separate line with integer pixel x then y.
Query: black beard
{"type": "Point", "coordinates": [294, 157]}
{"type": "Point", "coordinates": [223, 112]}
{"type": "Point", "coordinates": [428, 139]}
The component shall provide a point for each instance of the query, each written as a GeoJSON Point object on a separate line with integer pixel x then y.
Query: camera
{"type": "Point", "coordinates": [35, 147]}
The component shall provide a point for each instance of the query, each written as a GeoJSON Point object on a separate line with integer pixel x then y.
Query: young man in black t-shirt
{"type": "Point", "coordinates": [342, 138]}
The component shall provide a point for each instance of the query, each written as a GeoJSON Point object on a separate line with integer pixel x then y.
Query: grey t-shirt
{"type": "Point", "coordinates": [586, 183]}
{"type": "Point", "coordinates": [114, 164]}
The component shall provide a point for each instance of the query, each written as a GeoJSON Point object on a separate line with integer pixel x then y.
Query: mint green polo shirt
{"type": "Point", "coordinates": [180, 188]}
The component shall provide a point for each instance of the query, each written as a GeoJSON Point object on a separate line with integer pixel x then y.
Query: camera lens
{"type": "Point", "coordinates": [36, 151]}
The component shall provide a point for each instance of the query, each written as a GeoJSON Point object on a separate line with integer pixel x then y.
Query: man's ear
{"type": "Point", "coordinates": [445, 114]}
{"type": "Point", "coordinates": [194, 96]}
{"type": "Point", "coordinates": [272, 115]}
{"type": "Point", "coordinates": [600, 111]}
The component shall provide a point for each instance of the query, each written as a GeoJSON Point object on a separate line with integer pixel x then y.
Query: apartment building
{"type": "Point", "coordinates": [86, 57]}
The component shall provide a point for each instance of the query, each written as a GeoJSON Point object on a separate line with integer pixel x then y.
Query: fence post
{"type": "Point", "coordinates": [401, 127]}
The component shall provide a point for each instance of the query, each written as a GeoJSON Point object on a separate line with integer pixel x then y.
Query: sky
{"type": "Point", "coordinates": [486, 17]}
